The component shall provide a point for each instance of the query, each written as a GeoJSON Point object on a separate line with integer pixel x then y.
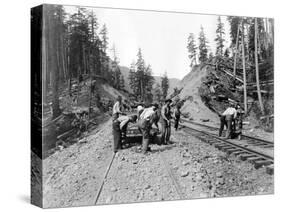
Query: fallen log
{"type": "Point", "coordinates": [52, 121]}
{"type": "Point", "coordinates": [65, 134]}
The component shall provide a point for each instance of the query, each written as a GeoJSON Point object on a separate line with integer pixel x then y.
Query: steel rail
{"type": "Point", "coordinates": [103, 179]}
{"type": "Point", "coordinates": [231, 143]}
{"type": "Point", "coordinates": [244, 136]}
{"type": "Point", "coordinates": [171, 175]}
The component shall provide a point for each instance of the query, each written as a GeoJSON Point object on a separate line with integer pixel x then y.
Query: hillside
{"type": "Point", "coordinates": [173, 82]}
{"type": "Point", "coordinates": [193, 105]}
{"type": "Point", "coordinates": [205, 92]}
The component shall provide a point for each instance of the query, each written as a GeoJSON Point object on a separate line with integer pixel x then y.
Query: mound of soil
{"type": "Point", "coordinates": [194, 107]}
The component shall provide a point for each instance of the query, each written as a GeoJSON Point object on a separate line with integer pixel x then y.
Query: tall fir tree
{"type": "Point", "coordinates": [104, 38]}
{"type": "Point", "coordinates": [122, 82]}
{"type": "Point", "coordinates": [220, 34]}
{"type": "Point", "coordinates": [141, 79]}
{"type": "Point", "coordinates": [203, 48]}
{"type": "Point", "coordinates": [157, 93]}
{"type": "Point", "coordinates": [104, 58]}
{"type": "Point", "coordinates": [165, 85]}
{"type": "Point", "coordinates": [116, 72]}
{"type": "Point", "coordinates": [192, 49]}
{"type": "Point", "coordinates": [132, 78]}
{"type": "Point", "coordinates": [234, 22]}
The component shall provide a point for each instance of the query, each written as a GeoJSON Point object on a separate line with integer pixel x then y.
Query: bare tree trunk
{"type": "Point", "coordinates": [62, 54]}
{"type": "Point", "coordinates": [53, 42]}
{"type": "Point", "coordinates": [244, 72]}
{"type": "Point", "coordinates": [236, 52]}
{"type": "Point", "coordinates": [257, 67]}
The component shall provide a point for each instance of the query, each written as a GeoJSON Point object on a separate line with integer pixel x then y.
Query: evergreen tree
{"type": "Point", "coordinates": [116, 69]}
{"type": "Point", "coordinates": [226, 52]}
{"type": "Point", "coordinates": [192, 49]}
{"type": "Point", "coordinates": [53, 43]}
{"type": "Point", "coordinates": [79, 32]}
{"type": "Point", "coordinates": [104, 38]}
{"type": "Point", "coordinates": [220, 37]}
{"type": "Point", "coordinates": [133, 78]}
{"type": "Point", "coordinates": [157, 93]}
{"type": "Point", "coordinates": [234, 22]}
{"type": "Point", "coordinates": [122, 82]}
{"type": "Point", "coordinates": [140, 67]}
{"type": "Point", "coordinates": [203, 48]}
{"type": "Point", "coordinates": [165, 85]}
{"type": "Point", "coordinates": [148, 84]}
{"type": "Point", "coordinates": [103, 57]}
{"type": "Point", "coordinates": [211, 55]}
{"type": "Point", "coordinates": [141, 79]}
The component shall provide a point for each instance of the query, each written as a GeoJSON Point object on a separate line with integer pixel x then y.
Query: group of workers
{"type": "Point", "coordinates": [232, 119]}
{"type": "Point", "coordinates": [146, 119]}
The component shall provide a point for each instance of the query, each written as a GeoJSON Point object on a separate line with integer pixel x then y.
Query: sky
{"type": "Point", "coordinates": [161, 36]}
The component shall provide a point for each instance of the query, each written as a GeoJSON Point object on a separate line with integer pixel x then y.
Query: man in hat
{"type": "Point", "coordinates": [119, 126]}
{"type": "Point", "coordinates": [227, 118]}
{"type": "Point", "coordinates": [116, 110]}
{"type": "Point", "coordinates": [147, 118]}
{"type": "Point", "coordinates": [177, 114]}
{"type": "Point", "coordinates": [165, 122]}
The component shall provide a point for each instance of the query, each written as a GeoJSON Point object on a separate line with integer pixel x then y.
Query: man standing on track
{"type": "Point", "coordinates": [116, 110]}
{"type": "Point", "coordinates": [177, 114]}
{"type": "Point", "coordinates": [165, 122]}
{"type": "Point", "coordinates": [119, 126]}
{"type": "Point", "coordinates": [227, 118]}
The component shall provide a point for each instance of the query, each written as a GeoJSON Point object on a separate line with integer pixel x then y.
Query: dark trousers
{"type": "Point", "coordinates": [115, 116]}
{"type": "Point", "coordinates": [226, 121]}
{"type": "Point", "coordinates": [177, 123]}
{"type": "Point", "coordinates": [116, 136]}
{"type": "Point", "coordinates": [145, 128]}
{"type": "Point", "coordinates": [165, 132]}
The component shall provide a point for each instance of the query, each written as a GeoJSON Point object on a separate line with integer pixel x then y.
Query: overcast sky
{"type": "Point", "coordinates": [162, 36]}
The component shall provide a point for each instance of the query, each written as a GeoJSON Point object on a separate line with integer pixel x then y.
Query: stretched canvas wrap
{"type": "Point", "coordinates": [134, 106]}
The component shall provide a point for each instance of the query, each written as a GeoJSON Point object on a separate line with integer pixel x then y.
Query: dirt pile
{"type": "Point", "coordinates": [193, 107]}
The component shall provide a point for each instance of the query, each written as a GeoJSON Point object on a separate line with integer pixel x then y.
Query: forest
{"type": "Point", "coordinates": [76, 64]}
{"type": "Point", "coordinates": [248, 59]}
{"type": "Point", "coordinates": [75, 49]}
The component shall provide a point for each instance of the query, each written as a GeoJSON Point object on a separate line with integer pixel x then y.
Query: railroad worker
{"type": "Point", "coordinates": [165, 122]}
{"type": "Point", "coordinates": [147, 118]}
{"type": "Point", "coordinates": [116, 110]}
{"type": "Point", "coordinates": [119, 127]}
{"type": "Point", "coordinates": [177, 114]}
{"type": "Point", "coordinates": [140, 109]}
{"type": "Point", "coordinates": [239, 120]}
{"type": "Point", "coordinates": [227, 118]}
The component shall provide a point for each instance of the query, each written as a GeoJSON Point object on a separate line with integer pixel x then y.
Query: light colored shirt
{"type": "Point", "coordinates": [147, 113]}
{"type": "Point", "coordinates": [123, 121]}
{"type": "Point", "coordinates": [139, 108]}
{"type": "Point", "coordinates": [116, 108]}
{"type": "Point", "coordinates": [230, 111]}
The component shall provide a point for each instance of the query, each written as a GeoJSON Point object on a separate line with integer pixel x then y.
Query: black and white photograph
{"type": "Point", "coordinates": [134, 106]}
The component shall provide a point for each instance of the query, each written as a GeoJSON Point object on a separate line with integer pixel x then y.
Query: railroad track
{"type": "Point", "coordinates": [257, 158]}
{"type": "Point", "coordinates": [249, 139]}
{"type": "Point", "coordinates": [134, 132]}
{"type": "Point", "coordinates": [246, 154]}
